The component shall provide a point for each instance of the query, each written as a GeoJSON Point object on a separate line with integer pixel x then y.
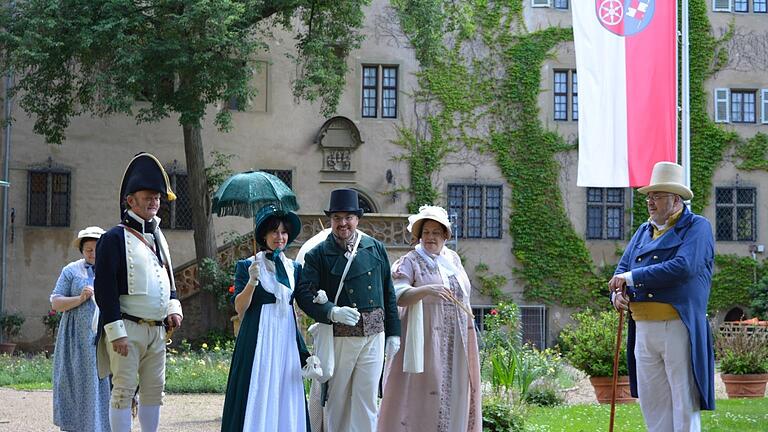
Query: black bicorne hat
{"type": "Point", "coordinates": [344, 201]}
{"type": "Point", "coordinates": [145, 172]}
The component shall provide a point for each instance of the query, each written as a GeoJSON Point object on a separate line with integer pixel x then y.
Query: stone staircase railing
{"type": "Point", "coordinates": [388, 228]}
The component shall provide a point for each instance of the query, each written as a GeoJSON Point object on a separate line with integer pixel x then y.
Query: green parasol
{"type": "Point", "coordinates": [245, 193]}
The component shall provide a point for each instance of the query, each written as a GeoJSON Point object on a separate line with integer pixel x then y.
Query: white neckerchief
{"type": "Point", "coordinates": [269, 282]}
{"type": "Point", "coordinates": [445, 265]}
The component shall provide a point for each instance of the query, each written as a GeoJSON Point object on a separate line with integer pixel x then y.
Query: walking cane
{"type": "Point", "coordinates": [616, 366]}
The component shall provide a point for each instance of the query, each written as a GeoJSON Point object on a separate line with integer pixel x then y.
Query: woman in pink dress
{"type": "Point", "coordinates": [433, 382]}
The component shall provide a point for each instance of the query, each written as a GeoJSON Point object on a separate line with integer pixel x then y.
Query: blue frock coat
{"type": "Point", "coordinates": [676, 268]}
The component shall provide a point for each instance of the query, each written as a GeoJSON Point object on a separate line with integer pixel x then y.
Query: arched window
{"type": "Point", "coordinates": [365, 203]}
{"type": "Point", "coordinates": [735, 314]}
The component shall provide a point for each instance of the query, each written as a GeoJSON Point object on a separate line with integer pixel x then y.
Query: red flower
{"type": "Point", "coordinates": [231, 289]}
{"type": "Point", "coordinates": [51, 312]}
{"type": "Point", "coordinates": [493, 312]}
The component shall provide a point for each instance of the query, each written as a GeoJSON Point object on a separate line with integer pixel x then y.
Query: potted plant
{"type": "Point", "coordinates": [589, 344]}
{"type": "Point", "coordinates": [51, 321]}
{"type": "Point", "coordinates": [742, 352]}
{"type": "Point", "coordinates": [10, 323]}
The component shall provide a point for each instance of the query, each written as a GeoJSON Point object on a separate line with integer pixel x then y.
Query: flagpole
{"type": "Point", "coordinates": [686, 106]}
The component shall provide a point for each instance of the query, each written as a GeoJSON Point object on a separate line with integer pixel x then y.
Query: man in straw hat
{"type": "Point", "coordinates": [136, 295]}
{"type": "Point", "coordinates": [663, 280]}
{"type": "Point", "coordinates": [365, 315]}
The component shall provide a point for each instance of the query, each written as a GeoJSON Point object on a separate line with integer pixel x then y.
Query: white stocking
{"type": "Point", "coordinates": [149, 417]}
{"type": "Point", "coordinates": [120, 419]}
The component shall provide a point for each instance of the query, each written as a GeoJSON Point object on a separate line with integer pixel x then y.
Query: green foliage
{"type": "Point", "coordinates": [545, 394]}
{"type": "Point", "coordinates": [88, 57]}
{"type": "Point", "coordinates": [218, 281]}
{"type": "Point", "coordinates": [491, 284]}
{"type": "Point", "coordinates": [732, 281]}
{"type": "Point", "coordinates": [51, 321]}
{"type": "Point", "coordinates": [24, 373]}
{"type": "Point", "coordinates": [501, 415]}
{"type": "Point", "coordinates": [590, 342]}
{"type": "Point", "coordinates": [753, 152]}
{"type": "Point", "coordinates": [11, 323]}
{"type": "Point", "coordinates": [708, 140]}
{"type": "Point", "coordinates": [202, 371]}
{"type": "Point", "coordinates": [743, 350]}
{"type": "Point", "coordinates": [218, 170]}
{"type": "Point", "coordinates": [462, 92]}
{"type": "Point", "coordinates": [759, 295]}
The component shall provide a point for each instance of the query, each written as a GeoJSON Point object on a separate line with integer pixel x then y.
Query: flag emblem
{"type": "Point", "coordinates": [624, 17]}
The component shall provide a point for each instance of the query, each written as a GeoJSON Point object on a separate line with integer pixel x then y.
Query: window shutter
{"type": "Point", "coordinates": [764, 99]}
{"type": "Point", "coordinates": [721, 105]}
{"type": "Point", "coordinates": [721, 5]}
{"type": "Point", "coordinates": [540, 3]}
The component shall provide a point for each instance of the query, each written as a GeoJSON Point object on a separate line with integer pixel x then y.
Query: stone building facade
{"type": "Point", "coordinates": [58, 189]}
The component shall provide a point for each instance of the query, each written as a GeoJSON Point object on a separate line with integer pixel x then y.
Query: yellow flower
{"type": "Point", "coordinates": [204, 345]}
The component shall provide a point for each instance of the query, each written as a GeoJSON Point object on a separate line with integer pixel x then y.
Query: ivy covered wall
{"type": "Point", "coordinates": [480, 80]}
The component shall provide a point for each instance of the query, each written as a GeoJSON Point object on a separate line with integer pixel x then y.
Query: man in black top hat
{"type": "Point", "coordinates": [136, 294]}
{"type": "Point", "coordinates": [365, 319]}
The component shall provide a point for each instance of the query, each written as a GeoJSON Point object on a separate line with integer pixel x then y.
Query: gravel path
{"type": "Point", "coordinates": [30, 411]}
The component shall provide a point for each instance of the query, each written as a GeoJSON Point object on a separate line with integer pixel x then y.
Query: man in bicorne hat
{"type": "Point", "coordinates": [664, 279]}
{"type": "Point", "coordinates": [135, 291]}
{"type": "Point", "coordinates": [365, 319]}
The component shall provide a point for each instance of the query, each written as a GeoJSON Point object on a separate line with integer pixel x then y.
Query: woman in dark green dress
{"type": "Point", "coordinates": [265, 390]}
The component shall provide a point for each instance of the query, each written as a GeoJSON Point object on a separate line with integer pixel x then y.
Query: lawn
{"type": "Point", "coordinates": [743, 415]}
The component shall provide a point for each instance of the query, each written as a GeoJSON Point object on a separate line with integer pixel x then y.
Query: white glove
{"type": "Point", "coordinates": [344, 315]}
{"type": "Point", "coordinates": [391, 347]}
{"type": "Point", "coordinates": [253, 271]}
{"type": "Point", "coordinates": [312, 369]}
{"type": "Point", "coordinates": [320, 298]}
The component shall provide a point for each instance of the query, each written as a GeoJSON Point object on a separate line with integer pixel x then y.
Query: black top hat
{"type": "Point", "coordinates": [145, 172]}
{"type": "Point", "coordinates": [344, 201]}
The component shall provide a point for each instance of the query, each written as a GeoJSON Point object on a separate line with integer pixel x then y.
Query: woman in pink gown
{"type": "Point", "coordinates": [433, 382]}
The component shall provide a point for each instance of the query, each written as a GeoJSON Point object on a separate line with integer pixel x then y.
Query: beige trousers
{"type": "Point", "coordinates": [669, 397]}
{"type": "Point", "coordinates": [352, 392]}
{"type": "Point", "coordinates": [144, 366]}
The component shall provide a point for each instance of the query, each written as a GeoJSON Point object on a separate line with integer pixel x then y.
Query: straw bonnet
{"type": "Point", "coordinates": [435, 213]}
{"type": "Point", "coordinates": [667, 177]}
{"type": "Point", "coordinates": [92, 232]}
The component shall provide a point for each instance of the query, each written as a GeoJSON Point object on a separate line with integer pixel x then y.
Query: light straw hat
{"type": "Point", "coordinates": [92, 232]}
{"type": "Point", "coordinates": [435, 213]}
{"type": "Point", "coordinates": [667, 177]}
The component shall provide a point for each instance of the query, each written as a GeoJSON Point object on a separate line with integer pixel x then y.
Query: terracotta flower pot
{"type": "Point", "coordinates": [603, 388]}
{"type": "Point", "coordinates": [745, 386]}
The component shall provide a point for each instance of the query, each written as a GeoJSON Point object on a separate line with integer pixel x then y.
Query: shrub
{"type": "Point", "coordinates": [590, 342]}
{"type": "Point", "coordinates": [742, 350]}
{"type": "Point", "coordinates": [500, 415]}
{"type": "Point", "coordinates": [544, 394]}
{"type": "Point", "coordinates": [51, 321]}
{"type": "Point", "coordinates": [217, 280]}
{"type": "Point", "coordinates": [759, 295]}
{"type": "Point", "coordinates": [11, 324]}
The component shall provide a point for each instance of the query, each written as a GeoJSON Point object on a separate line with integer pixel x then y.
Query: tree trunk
{"type": "Point", "coordinates": [202, 219]}
{"type": "Point", "coordinates": [200, 201]}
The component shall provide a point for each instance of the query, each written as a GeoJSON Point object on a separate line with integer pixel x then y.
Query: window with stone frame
{"type": "Point", "coordinates": [476, 210]}
{"type": "Point", "coordinates": [740, 5]}
{"type": "Point", "coordinates": [49, 196]}
{"type": "Point", "coordinates": [735, 213]}
{"type": "Point", "coordinates": [379, 91]}
{"type": "Point", "coordinates": [759, 6]}
{"type": "Point", "coordinates": [176, 214]}
{"type": "Point", "coordinates": [566, 95]}
{"type": "Point", "coordinates": [743, 106]}
{"type": "Point", "coordinates": [560, 4]}
{"type": "Point", "coordinates": [605, 213]}
{"type": "Point", "coordinates": [285, 175]}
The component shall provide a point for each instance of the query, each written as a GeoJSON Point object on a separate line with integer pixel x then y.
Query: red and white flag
{"type": "Point", "coordinates": [626, 58]}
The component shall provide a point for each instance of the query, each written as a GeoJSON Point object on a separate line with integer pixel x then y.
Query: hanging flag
{"type": "Point", "coordinates": [626, 58]}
